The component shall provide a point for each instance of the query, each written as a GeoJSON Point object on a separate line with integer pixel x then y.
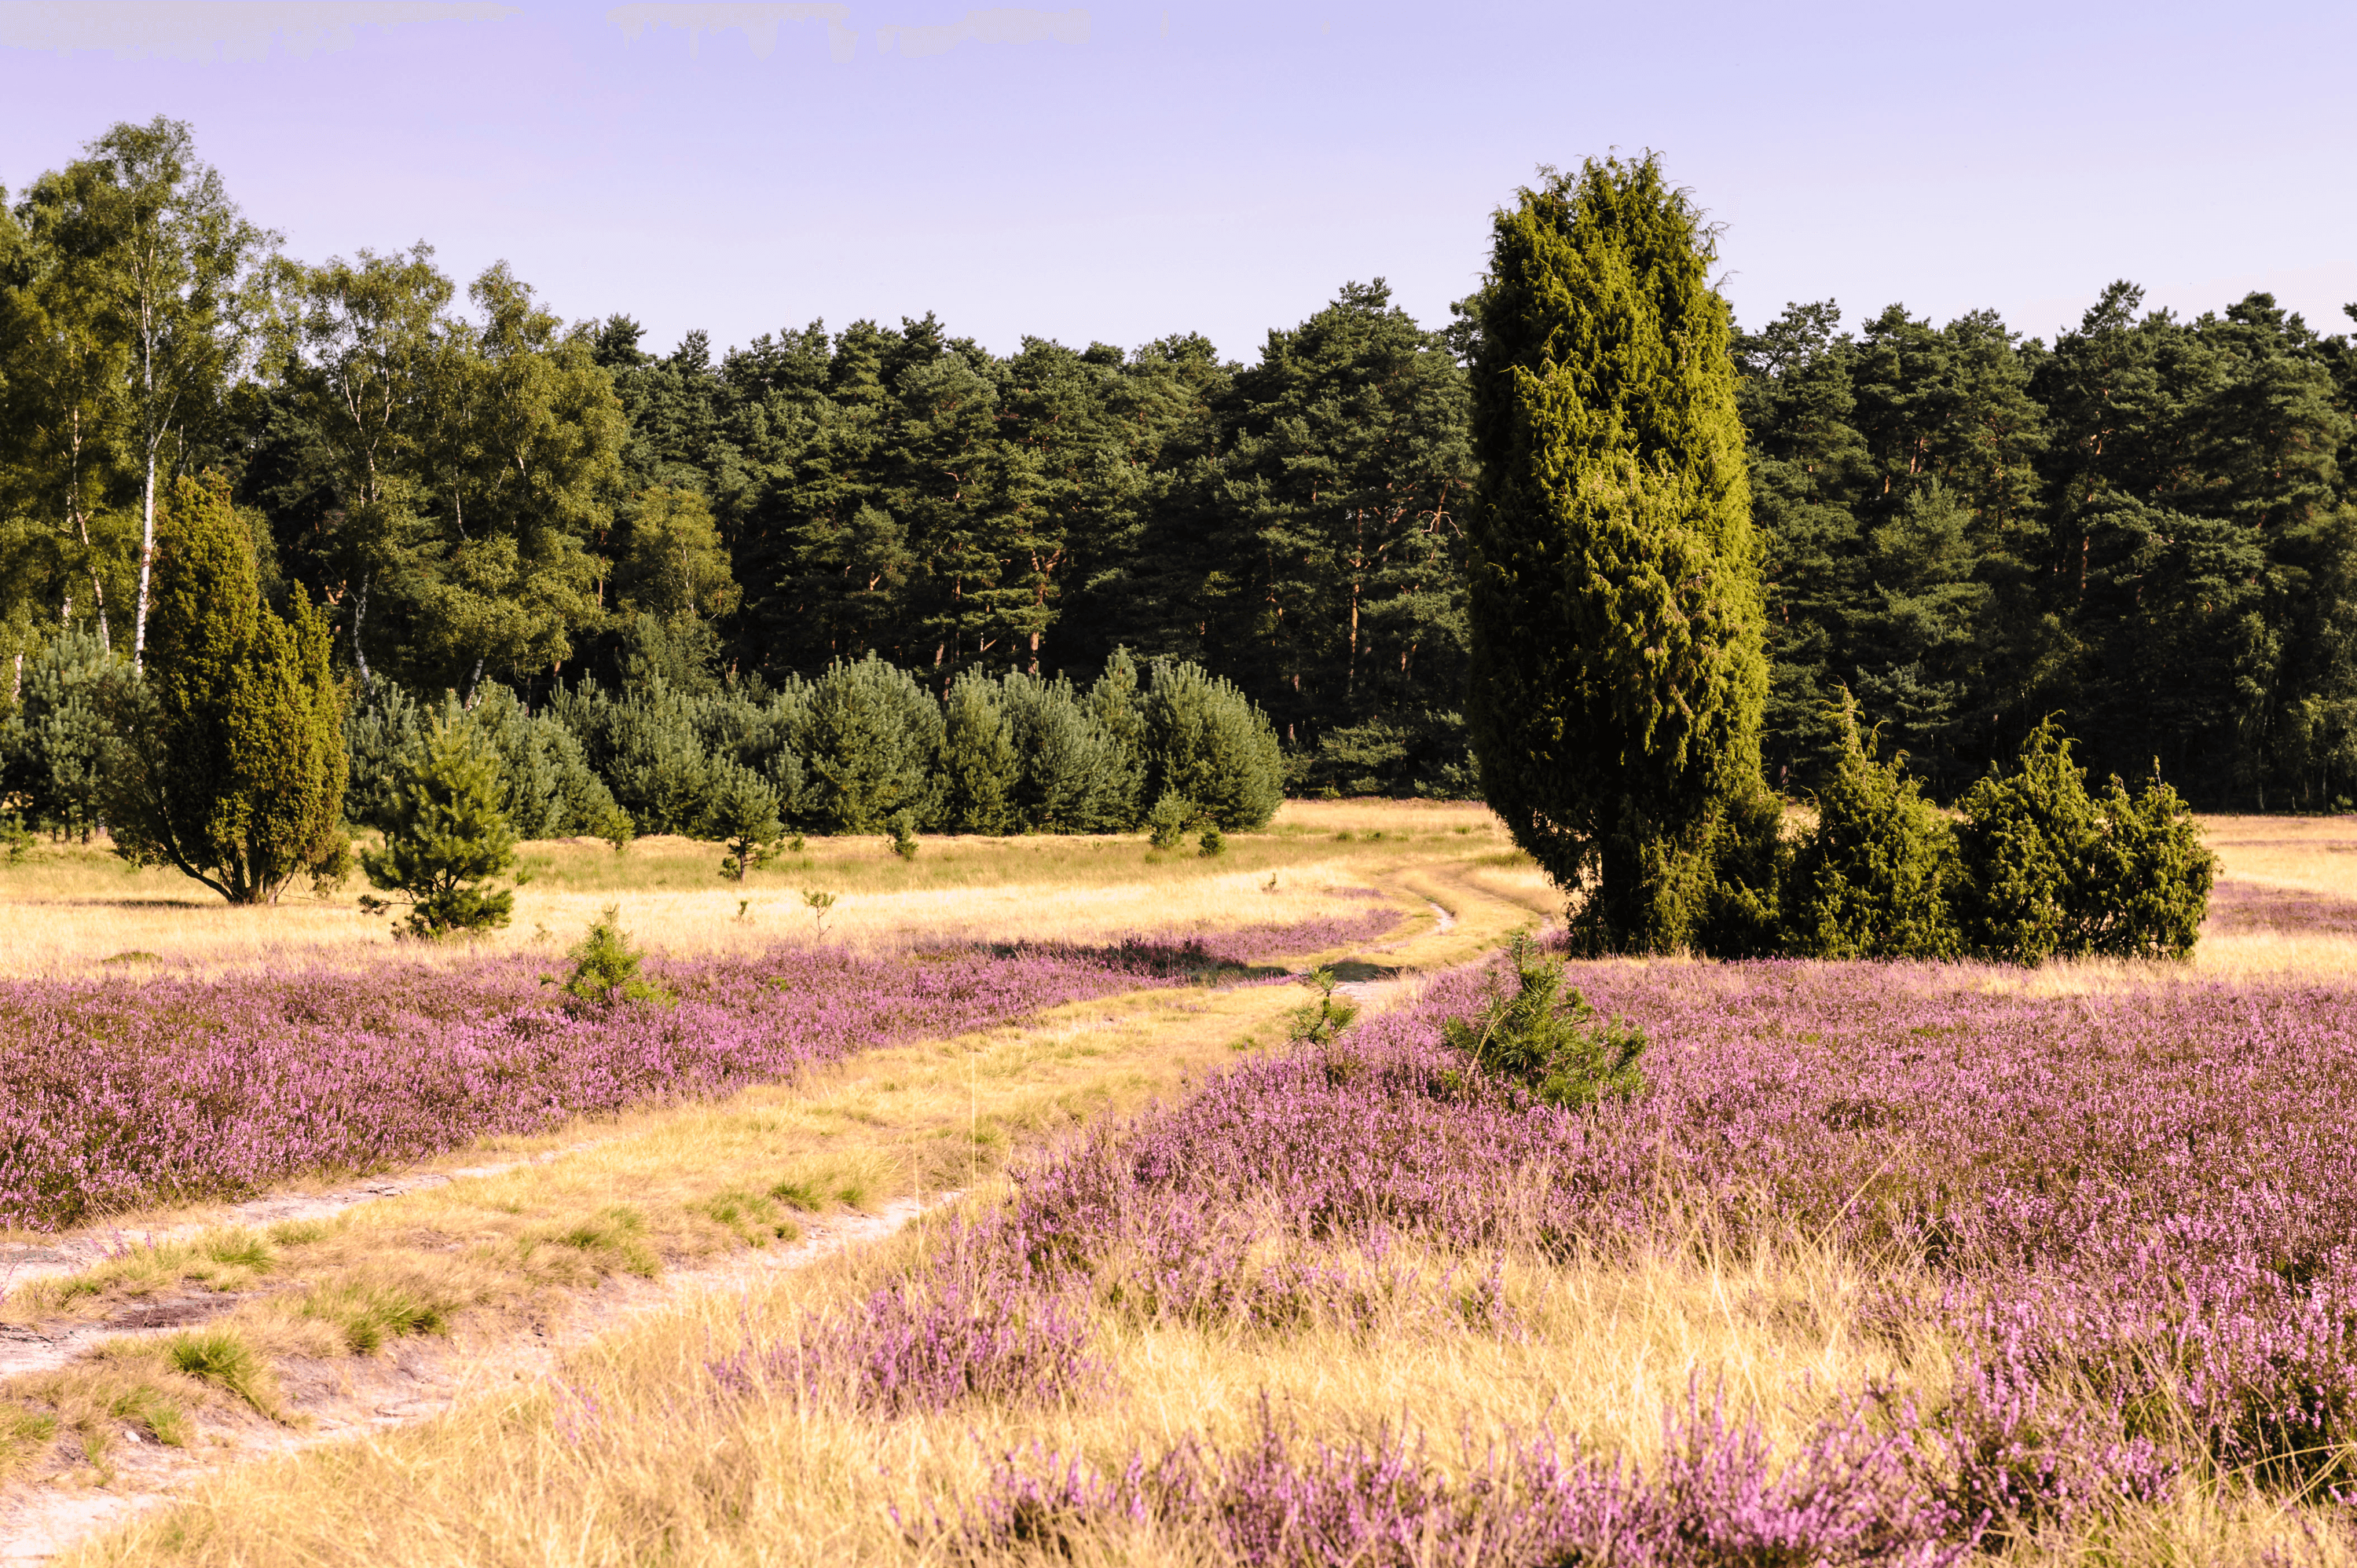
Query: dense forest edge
{"type": "Point", "coordinates": [2145, 527]}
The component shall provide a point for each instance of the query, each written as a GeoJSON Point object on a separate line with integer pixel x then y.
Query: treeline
{"type": "Point", "coordinates": [2146, 526]}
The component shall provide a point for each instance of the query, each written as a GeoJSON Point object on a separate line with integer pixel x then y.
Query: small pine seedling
{"type": "Point", "coordinates": [1553, 1045]}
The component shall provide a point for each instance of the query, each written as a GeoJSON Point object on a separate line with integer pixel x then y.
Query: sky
{"type": "Point", "coordinates": [1120, 173]}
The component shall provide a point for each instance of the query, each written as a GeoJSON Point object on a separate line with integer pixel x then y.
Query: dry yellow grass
{"type": "Point", "coordinates": [534, 1478]}
{"type": "Point", "coordinates": [66, 910]}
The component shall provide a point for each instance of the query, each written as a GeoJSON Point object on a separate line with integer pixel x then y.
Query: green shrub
{"type": "Point", "coordinates": [1878, 877]}
{"type": "Point", "coordinates": [53, 749]}
{"type": "Point", "coordinates": [1078, 772]}
{"type": "Point", "coordinates": [606, 966]}
{"type": "Point", "coordinates": [980, 766]}
{"type": "Point", "coordinates": [1316, 1021]}
{"type": "Point", "coordinates": [448, 837]}
{"type": "Point", "coordinates": [1553, 1045]}
{"type": "Point", "coordinates": [744, 816]}
{"type": "Point", "coordinates": [1212, 842]}
{"type": "Point", "coordinates": [903, 827]}
{"type": "Point", "coordinates": [1167, 824]}
{"type": "Point", "coordinates": [645, 743]}
{"type": "Point", "coordinates": [1113, 705]}
{"type": "Point", "coordinates": [2051, 872]}
{"type": "Point", "coordinates": [874, 738]}
{"type": "Point", "coordinates": [1205, 742]}
{"type": "Point", "coordinates": [1747, 863]}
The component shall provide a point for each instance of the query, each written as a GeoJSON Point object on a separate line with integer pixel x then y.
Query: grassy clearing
{"type": "Point", "coordinates": [76, 910]}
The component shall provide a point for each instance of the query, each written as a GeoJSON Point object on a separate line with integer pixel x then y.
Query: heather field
{"type": "Point", "coordinates": [1885, 1263]}
{"type": "Point", "coordinates": [125, 1093]}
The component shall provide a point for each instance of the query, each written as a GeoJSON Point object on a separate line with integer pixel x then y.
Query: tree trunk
{"type": "Point", "coordinates": [146, 560]}
{"type": "Point", "coordinates": [360, 613]}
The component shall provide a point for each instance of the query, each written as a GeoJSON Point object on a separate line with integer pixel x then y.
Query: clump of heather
{"type": "Point", "coordinates": [1855, 1494]}
{"type": "Point", "coordinates": [960, 1329]}
{"type": "Point", "coordinates": [124, 1092]}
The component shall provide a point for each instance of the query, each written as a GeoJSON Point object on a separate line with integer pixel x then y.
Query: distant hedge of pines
{"type": "Point", "coordinates": [850, 752]}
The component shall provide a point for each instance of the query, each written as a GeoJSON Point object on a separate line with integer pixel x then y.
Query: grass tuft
{"type": "Point", "coordinates": [225, 1359]}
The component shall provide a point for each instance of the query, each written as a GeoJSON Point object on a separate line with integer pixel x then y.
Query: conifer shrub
{"type": "Point", "coordinates": [382, 730]}
{"type": "Point", "coordinates": [979, 765]}
{"type": "Point", "coordinates": [743, 816]}
{"type": "Point", "coordinates": [1618, 670]}
{"type": "Point", "coordinates": [232, 763]}
{"type": "Point", "coordinates": [1212, 842]}
{"type": "Point", "coordinates": [1552, 1044]}
{"type": "Point", "coordinates": [1113, 704]}
{"type": "Point", "coordinates": [1166, 824]}
{"type": "Point", "coordinates": [1316, 1021]}
{"type": "Point", "coordinates": [1206, 743]}
{"type": "Point", "coordinates": [644, 742]}
{"type": "Point", "coordinates": [55, 748]}
{"type": "Point", "coordinates": [903, 829]}
{"type": "Point", "coordinates": [874, 737]}
{"type": "Point", "coordinates": [1878, 877]}
{"type": "Point", "coordinates": [1078, 772]}
{"type": "Point", "coordinates": [2052, 872]}
{"type": "Point", "coordinates": [606, 967]}
{"type": "Point", "coordinates": [1749, 862]}
{"type": "Point", "coordinates": [448, 838]}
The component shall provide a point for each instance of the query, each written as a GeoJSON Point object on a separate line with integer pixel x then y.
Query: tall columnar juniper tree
{"type": "Point", "coordinates": [1617, 675]}
{"type": "Point", "coordinates": [233, 761]}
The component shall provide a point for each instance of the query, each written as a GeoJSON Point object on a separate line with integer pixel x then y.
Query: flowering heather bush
{"type": "Point", "coordinates": [120, 1091]}
{"type": "Point", "coordinates": [1854, 1495]}
{"type": "Point", "coordinates": [964, 1331]}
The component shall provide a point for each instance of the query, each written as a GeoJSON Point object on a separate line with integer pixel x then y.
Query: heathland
{"type": "Point", "coordinates": [1883, 1261]}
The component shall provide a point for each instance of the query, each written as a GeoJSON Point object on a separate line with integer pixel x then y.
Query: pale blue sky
{"type": "Point", "coordinates": [1120, 172]}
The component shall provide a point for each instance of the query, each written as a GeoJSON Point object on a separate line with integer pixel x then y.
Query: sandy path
{"type": "Point", "coordinates": [414, 1381]}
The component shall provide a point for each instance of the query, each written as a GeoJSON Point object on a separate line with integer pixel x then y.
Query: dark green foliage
{"type": "Point", "coordinates": [382, 728]}
{"type": "Point", "coordinates": [980, 766]}
{"type": "Point", "coordinates": [1166, 824]}
{"type": "Point", "coordinates": [54, 748]}
{"type": "Point", "coordinates": [1617, 667]}
{"type": "Point", "coordinates": [448, 837]}
{"type": "Point", "coordinates": [1878, 877]}
{"type": "Point", "coordinates": [232, 763]}
{"type": "Point", "coordinates": [1552, 1044]}
{"type": "Point", "coordinates": [645, 744]}
{"type": "Point", "coordinates": [2050, 871]}
{"type": "Point", "coordinates": [903, 828]}
{"type": "Point", "coordinates": [875, 737]}
{"type": "Point", "coordinates": [606, 967]}
{"type": "Point", "coordinates": [744, 816]}
{"type": "Point", "coordinates": [1207, 745]}
{"type": "Point", "coordinates": [1078, 772]}
{"type": "Point", "coordinates": [1748, 859]}
{"type": "Point", "coordinates": [1212, 842]}
{"type": "Point", "coordinates": [1114, 702]}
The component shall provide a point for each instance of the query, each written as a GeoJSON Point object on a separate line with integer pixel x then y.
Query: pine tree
{"type": "Point", "coordinates": [448, 838]}
{"type": "Point", "coordinates": [1617, 668]}
{"type": "Point", "coordinates": [744, 816]}
{"type": "Point", "coordinates": [979, 765]}
{"type": "Point", "coordinates": [54, 749]}
{"type": "Point", "coordinates": [1209, 745]}
{"type": "Point", "coordinates": [234, 763]}
{"type": "Point", "coordinates": [875, 737]}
